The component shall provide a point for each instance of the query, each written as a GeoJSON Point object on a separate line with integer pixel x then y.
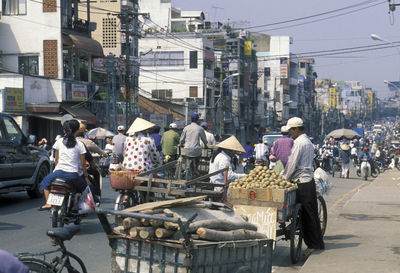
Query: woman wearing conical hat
{"type": "Point", "coordinates": [140, 150]}
{"type": "Point", "coordinates": [223, 158]}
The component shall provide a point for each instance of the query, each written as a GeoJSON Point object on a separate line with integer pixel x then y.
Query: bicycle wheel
{"type": "Point", "coordinates": [322, 213]}
{"type": "Point", "coordinates": [37, 265]}
{"type": "Point", "coordinates": [78, 260]}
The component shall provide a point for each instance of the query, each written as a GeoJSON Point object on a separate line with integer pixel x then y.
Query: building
{"type": "Point", "coordinates": [278, 79]}
{"type": "Point", "coordinates": [46, 71]}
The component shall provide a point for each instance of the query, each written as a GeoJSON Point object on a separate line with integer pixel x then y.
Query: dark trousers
{"type": "Point", "coordinates": [95, 182]}
{"type": "Point", "coordinates": [307, 196]}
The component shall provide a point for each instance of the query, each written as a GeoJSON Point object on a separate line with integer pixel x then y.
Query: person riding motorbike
{"type": "Point", "coordinates": [70, 162]}
{"type": "Point", "coordinates": [261, 151]}
{"type": "Point", "coordinates": [365, 153]}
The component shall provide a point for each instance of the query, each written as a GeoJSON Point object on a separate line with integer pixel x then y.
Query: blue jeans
{"type": "Point", "coordinates": [78, 182]}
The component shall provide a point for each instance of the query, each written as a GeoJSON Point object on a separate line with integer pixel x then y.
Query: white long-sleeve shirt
{"type": "Point", "coordinates": [221, 161]}
{"type": "Point", "coordinates": [299, 167]}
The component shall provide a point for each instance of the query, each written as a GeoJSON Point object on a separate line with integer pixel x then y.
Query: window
{"type": "Point", "coordinates": [14, 7]}
{"type": "Point", "coordinates": [28, 65]}
{"type": "Point", "coordinates": [109, 32]}
{"type": "Point", "coordinates": [163, 58]}
{"type": "Point", "coordinates": [193, 91]}
{"type": "Point", "coordinates": [161, 93]}
{"type": "Point", "coordinates": [49, 6]}
{"type": "Point", "coordinates": [12, 130]}
{"type": "Point", "coordinates": [193, 59]}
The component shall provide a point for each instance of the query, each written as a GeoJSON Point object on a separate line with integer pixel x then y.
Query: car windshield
{"type": "Point", "coordinates": [270, 139]}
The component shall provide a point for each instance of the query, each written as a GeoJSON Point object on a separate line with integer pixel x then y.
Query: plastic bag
{"type": "Point", "coordinates": [279, 167]}
{"type": "Point", "coordinates": [322, 182]}
{"type": "Point", "coordinates": [86, 202]}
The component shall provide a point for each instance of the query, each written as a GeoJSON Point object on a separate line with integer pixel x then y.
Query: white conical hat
{"type": "Point", "coordinates": [139, 125]}
{"type": "Point", "coordinates": [231, 144]}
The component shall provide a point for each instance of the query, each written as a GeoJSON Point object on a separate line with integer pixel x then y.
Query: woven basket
{"type": "Point", "coordinates": [124, 180]}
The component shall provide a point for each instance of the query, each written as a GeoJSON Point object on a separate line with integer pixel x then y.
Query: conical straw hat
{"type": "Point", "coordinates": [345, 147]}
{"type": "Point", "coordinates": [231, 144]}
{"type": "Point", "coordinates": [139, 125]}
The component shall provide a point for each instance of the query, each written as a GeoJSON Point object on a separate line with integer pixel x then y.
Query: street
{"type": "Point", "coordinates": [23, 227]}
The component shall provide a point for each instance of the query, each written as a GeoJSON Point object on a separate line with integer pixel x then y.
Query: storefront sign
{"type": "Point", "coordinates": [284, 68]}
{"type": "Point", "coordinates": [13, 99]}
{"type": "Point", "coordinates": [76, 92]}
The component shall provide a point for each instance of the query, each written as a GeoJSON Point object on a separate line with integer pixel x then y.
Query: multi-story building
{"type": "Point", "coordinates": [47, 54]}
{"type": "Point", "coordinates": [279, 80]}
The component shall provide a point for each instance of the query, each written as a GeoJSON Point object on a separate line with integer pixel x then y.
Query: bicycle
{"type": "Point", "coordinates": [58, 263]}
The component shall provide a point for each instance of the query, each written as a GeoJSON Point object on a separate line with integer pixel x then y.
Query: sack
{"type": "Point", "coordinates": [86, 202]}
{"type": "Point", "coordinates": [279, 167]}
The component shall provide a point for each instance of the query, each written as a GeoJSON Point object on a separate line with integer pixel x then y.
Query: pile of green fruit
{"type": "Point", "coordinates": [262, 178]}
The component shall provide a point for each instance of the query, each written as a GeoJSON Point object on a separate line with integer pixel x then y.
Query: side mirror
{"type": "Point", "coordinates": [31, 139]}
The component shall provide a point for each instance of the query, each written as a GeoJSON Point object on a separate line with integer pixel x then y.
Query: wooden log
{"type": "Point", "coordinates": [119, 229]}
{"type": "Point", "coordinates": [156, 223]}
{"type": "Point", "coordinates": [147, 233]}
{"type": "Point", "coordinates": [134, 232]}
{"type": "Point", "coordinates": [130, 222]}
{"type": "Point", "coordinates": [221, 224]}
{"type": "Point", "coordinates": [233, 235]}
{"type": "Point", "coordinates": [145, 222]}
{"type": "Point", "coordinates": [152, 211]}
{"type": "Point", "coordinates": [169, 225]}
{"type": "Point", "coordinates": [164, 233]}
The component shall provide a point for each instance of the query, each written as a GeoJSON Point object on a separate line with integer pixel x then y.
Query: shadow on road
{"type": "Point", "coordinates": [9, 226]}
{"type": "Point", "coordinates": [329, 246]}
{"type": "Point", "coordinates": [339, 237]}
{"type": "Point", "coordinates": [17, 202]}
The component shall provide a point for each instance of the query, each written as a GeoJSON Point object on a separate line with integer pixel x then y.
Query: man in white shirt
{"type": "Point", "coordinates": [299, 169]}
{"type": "Point", "coordinates": [261, 150]}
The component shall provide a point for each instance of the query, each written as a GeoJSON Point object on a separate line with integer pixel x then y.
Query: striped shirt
{"type": "Point", "coordinates": [299, 167]}
{"type": "Point", "coordinates": [282, 149]}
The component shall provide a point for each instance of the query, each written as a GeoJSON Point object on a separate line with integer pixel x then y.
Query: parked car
{"type": "Point", "coordinates": [270, 137]}
{"type": "Point", "coordinates": [22, 165]}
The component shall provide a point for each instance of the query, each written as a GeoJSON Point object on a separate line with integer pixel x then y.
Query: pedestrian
{"type": "Point", "coordinates": [209, 136]}
{"type": "Point", "coordinates": [155, 134]}
{"type": "Point", "coordinates": [299, 169]}
{"type": "Point", "coordinates": [249, 150]}
{"type": "Point", "coordinates": [140, 153]}
{"type": "Point", "coordinates": [190, 140]}
{"type": "Point", "coordinates": [109, 145]}
{"type": "Point", "coordinates": [224, 157]}
{"type": "Point", "coordinates": [118, 143]}
{"type": "Point", "coordinates": [283, 146]}
{"type": "Point", "coordinates": [353, 154]}
{"type": "Point", "coordinates": [345, 156]}
{"type": "Point", "coordinates": [261, 151]}
{"type": "Point", "coordinates": [170, 142]}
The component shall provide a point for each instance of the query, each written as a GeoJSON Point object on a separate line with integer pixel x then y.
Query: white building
{"type": "Point", "coordinates": [46, 54]}
{"type": "Point", "coordinates": [178, 68]}
{"type": "Point", "coordinates": [278, 82]}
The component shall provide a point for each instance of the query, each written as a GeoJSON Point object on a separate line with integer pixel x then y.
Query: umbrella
{"type": "Point", "coordinates": [343, 133]}
{"type": "Point", "coordinates": [100, 133]}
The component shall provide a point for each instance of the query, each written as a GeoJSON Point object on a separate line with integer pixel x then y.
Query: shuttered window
{"type": "Point", "coordinates": [193, 91]}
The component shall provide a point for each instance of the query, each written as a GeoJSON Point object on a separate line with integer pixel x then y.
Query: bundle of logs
{"type": "Point", "coordinates": [228, 229]}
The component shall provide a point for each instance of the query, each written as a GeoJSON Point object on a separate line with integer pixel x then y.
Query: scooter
{"type": "Point", "coordinates": [64, 199]}
{"type": "Point", "coordinates": [365, 168]}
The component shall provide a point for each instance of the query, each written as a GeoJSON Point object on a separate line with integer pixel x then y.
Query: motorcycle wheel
{"type": "Point", "coordinates": [57, 216]}
{"type": "Point", "coordinates": [358, 172]}
{"type": "Point", "coordinates": [375, 173]}
{"type": "Point", "coordinates": [366, 175]}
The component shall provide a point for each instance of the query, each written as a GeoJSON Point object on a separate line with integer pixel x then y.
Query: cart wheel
{"type": "Point", "coordinates": [322, 213]}
{"type": "Point", "coordinates": [123, 201]}
{"type": "Point", "coordinates": [296, 235]}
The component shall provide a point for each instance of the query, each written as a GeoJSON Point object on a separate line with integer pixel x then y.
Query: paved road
{"type": "Point", "coordinates": [23, 228]}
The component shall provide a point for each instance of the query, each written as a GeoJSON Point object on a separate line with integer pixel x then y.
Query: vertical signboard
{"type": "Point", "coordinates": [332, 98]}
{"type": "Point", "coordinates": [247, 48]}
{"type": "Point", "coordinates": [284, 68]}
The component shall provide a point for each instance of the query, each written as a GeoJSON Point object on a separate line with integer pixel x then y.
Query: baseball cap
{"type": "Point", "coordinates": [284, 129]}
{"type": "Point", "coordinates": [121, 128]}
{"type": "Point", "coordinates": [173, 126]}
{"type": "Point", "coordinates": [294, 122]}
{"type": "Point", "coordinates": [65, 118]}
{"type": "Point", "coordinates": [204, 124]}
{"type": "Point", "coordinates": [194, 116]}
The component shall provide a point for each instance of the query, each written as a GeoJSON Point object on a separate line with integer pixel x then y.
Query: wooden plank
{"type": "Point", "coordinates": [193, 181]}
{"type": "Point", "coordinates": [160, 180]}
{"type": "Point", "coordinates": [155, 170]}
{"type": "Point", "coordinates": [161, 190]}
{"type": "Point", "coordinates": [168, 203]}
{"type": "Point", "coordinates": [204, 213]}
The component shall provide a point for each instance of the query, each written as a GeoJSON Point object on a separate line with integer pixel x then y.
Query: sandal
{"type": "Point", "coordinates": [44, 208]}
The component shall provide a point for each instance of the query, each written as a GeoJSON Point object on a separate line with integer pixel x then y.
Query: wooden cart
{"type": "Point", "coordinates": [187, 255]}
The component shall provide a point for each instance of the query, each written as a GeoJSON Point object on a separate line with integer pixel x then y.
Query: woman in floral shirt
{"type": "Point", "coordinates": [140, 153]}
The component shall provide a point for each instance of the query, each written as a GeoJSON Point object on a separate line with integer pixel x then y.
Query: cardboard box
{"type": "Point", "coordinates": [251, 196]}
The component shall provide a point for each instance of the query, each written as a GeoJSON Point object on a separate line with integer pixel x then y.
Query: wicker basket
{"type": "Point", "coordinates": [124, 180]}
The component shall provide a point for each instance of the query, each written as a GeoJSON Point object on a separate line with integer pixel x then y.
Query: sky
{"type": "Point", "coordinates": [350, 27]}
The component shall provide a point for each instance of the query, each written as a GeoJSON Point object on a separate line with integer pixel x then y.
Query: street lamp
{"type": "Point", "coordinates": [378, 38]}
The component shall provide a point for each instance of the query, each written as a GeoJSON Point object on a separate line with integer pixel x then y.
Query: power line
{"type": "Point", "coordinates": [322, 19]}
{"type": "Point", "coordinates": [315, 15]}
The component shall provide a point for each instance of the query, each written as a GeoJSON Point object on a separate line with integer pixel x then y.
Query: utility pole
{"type": "Point", "coordinates": [125, 20]}
{"type": "Point", "coordinates": [109, 91]}
{"type": "Point", "coordinates": [274, 111]}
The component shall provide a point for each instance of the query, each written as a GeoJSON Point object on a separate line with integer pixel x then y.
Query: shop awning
{"type": "Point", "coordinates": [80, 112]}
{"type": "Point", "coordinates": [83, 45]}
{"type": "Point", "coordinates": [48, 116]}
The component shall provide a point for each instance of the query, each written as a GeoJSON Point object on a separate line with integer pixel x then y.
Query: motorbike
{"type": "Point", "coordinates": [104, 164]}
{"type": "Point", "coordinates": [64, 199]}
{"type": "Point", "coordinates": [247, 164]}
{"type": "Point", "coordinates": [364, 169]}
